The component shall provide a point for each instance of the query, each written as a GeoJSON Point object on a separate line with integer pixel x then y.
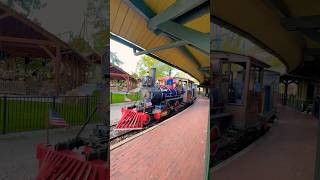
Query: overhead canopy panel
{"type": "Point", "coordinates": [177, 32]}
{"type": "Point", "coordinates": [283, 27]}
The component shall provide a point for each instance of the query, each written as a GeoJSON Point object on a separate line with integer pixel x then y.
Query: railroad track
{"type": "Point", "coordinates": [117, 136]}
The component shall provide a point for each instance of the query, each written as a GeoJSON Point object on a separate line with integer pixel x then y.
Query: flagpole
{"type": "Point", "coordinates": [48, 134]}
{"type": "Point", "coordinates": [48, 127]}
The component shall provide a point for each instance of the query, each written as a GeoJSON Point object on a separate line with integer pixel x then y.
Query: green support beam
{"type": "Point", "coordinates": [311, 51]}
{"type": "Point", "coordinates": [177, 9]}
{"type": "Point", "coordinates": [302, 22]}
{"type": "Point", "coordinates": [279, 7]}
{"type": "Point", "coordinates": [198, 39]}
{"type": "Point", "coordinates": [166, 46]}
{"type": "Point", "coordinates": [312, 34]}
{"type": "Point", "coordinates": [148, 13]}
{"type": "Point", "coordinates": [142, 8]}
{"type": "Point", "coordinates": [206, 69]}
{"type": "Point", "coordinates": [317, 160]}
{"type": "Point", "coordinates": [185, 51]}
{"type": "Point", "coordinates": [194, 13]}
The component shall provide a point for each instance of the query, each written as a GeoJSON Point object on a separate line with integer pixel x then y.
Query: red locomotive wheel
{"type": "Point", "coordinates": [176, 105]}
{"type": "Point", "coordinates": [147, 121]}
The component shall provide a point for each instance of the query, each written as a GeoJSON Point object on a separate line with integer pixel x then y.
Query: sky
{"type": "Point", "coordinates": [130, 61]}
{"type": "Point", "coordinates": [125, 54]}
{"type": "Point", "coordinates": [61, 16]}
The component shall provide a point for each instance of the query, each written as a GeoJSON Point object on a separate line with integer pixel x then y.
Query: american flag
{"type": "Point", "coordinates": [56, 120]}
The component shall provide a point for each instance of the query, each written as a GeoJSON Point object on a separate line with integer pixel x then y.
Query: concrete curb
{"type": "Point", "coordinates": [143, 132]}
{"type": "Point", "coordinates": [123, 103]}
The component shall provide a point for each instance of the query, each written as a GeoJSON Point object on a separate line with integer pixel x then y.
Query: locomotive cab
{"type": "Point", "coordinates": [240, 80]}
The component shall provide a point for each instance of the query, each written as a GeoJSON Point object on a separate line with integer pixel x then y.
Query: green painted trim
{"type": "Point", "coordinates": [159, 48]}
{"type": "Point", "coordinates": [188, 54]}
{"type": "Point", "coordinates": [207, 155]}
{"type": "Point", "coordinates": [199, 11]}
{"type": "Point", "coordinates": [143, 8]}
{"type": "Point", "coordinates": [175, 10]}
{"type": "Point", "coordinates": [198, 39]}
{"type": "Point", "coordinates": [317, 162]}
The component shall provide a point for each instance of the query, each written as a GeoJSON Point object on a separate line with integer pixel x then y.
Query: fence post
{"type": "Point", "coordinates": [87, 106]}
{"type": "Point", "coordinates": [318, 110]}
{"type": "Point", "coordinates": [4, 113]}
{"type": "Point", "coordinates": [317, 160]}
{"type": "Point", "coordinates": [111, 97]}
{"type": "Point", "coordinates": [54, 102]}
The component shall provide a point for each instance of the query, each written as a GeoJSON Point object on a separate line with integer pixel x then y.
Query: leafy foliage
{"type": "Point", "coordinates": [114, 59]}
{"type": "Point", "coordinates": [79, 44]}
{"type": "Point", "coordinates": [98, 15]}
{"type": "Point", "coordinates": [146, 63]}
{"type": "Point", "coordinates": [26, 5]}
{"type": "Point", "coordinates": [100, 39]}
{"type": "Point", "coordinates": [135, 75]}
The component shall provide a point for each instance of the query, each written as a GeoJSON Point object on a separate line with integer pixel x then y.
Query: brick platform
{"type": "Point", "coordinates": [286, 152]}
{"type": "Point", "coordinates": [173, 150]}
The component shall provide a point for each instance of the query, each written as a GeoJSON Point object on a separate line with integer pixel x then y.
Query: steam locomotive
{"type": "Point", "coordinates": [158, 100]}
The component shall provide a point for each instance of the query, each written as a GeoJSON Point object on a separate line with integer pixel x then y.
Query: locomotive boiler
{"type": "Point", "coordinates": [158, 100]}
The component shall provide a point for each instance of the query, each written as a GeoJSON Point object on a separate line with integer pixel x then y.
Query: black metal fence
{"type": "Point", "coordinates": [29, 113]}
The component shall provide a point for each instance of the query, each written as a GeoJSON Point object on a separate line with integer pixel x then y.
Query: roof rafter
{"type": "Point", "coordinates": [193, 37]}
{"type": "Point", "coordinates": [25, 40]}
{"type": "Point", "coordinates": [177, 9]}
{"type": "Point", "coordinates": [198, 39]}
{"type": "Point", "coordinates": [302, 22]}
{"type": "Point", "coordinates": [279, 7]}
{"type": "Point", "coordinates": [166, 46]}
{"type": "Point", "coordinates": [312, 34]}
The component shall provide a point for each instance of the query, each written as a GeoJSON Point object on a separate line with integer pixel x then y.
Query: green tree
{"type": "Point", "coordinates": [114, 59]}
{"type": "Point", "coordinates": [79, 44]}
{"type": "Point", "coordinates": [146, 63]}
{"type": "Point", "coordinates": [97, 14]}
{"type": "Point", "coordinates": [181, 74]}
{"type": "Point", "coordinates": [135, 75]}
{"type": "Point", "coordinates": [26, 5]}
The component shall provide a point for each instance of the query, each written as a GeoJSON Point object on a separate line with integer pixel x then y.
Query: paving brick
{"type": "Point", "coordinates": [173, 150]}
{"type": "Point", "coordinates": [286, 152]}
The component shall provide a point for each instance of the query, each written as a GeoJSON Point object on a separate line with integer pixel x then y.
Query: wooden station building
{"type": "Point", "coordinates": [23, 38]}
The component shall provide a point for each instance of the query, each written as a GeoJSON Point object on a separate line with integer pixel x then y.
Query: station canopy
{"type": "Point", "coordinates": [116, 73]}
{"type": "Point", "coordinates": [175, 32]}
{"type": "Point", "coordinates": [288, 29]}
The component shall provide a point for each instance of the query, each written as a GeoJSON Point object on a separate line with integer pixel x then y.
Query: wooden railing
{"type": "Point", "coordinates": [295, 103]}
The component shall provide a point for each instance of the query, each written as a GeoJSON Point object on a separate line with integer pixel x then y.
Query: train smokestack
{"type": "Point", "coordinates": [153, 76]}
